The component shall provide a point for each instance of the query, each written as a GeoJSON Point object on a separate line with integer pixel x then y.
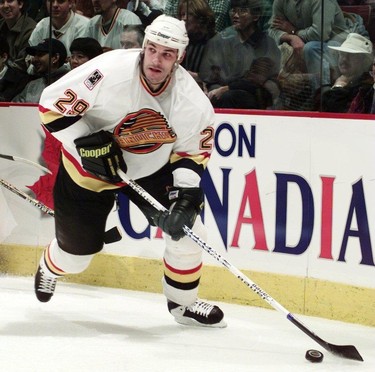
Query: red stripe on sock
{"type": "Point", "coordinates": [56, 270]}
{"type": "Point", "coordinates": [182, 272]}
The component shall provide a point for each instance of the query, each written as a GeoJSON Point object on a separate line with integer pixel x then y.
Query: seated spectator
{"type": "Point", "coordinates": [41, 62]}
{"type": "Point", "coordinates": [82, 50]}
{"type": "Point", "coordinates": [12, 80]}
{"type": "Point", "coordinates": [108, 23]}
{"type": "Point", "coordinates": [146, 10]}
{"type": "Point", "coordinates": [17, 27]}
{"type": "Point", "coordinates": [364, 101]}
{"type": "Point", "coordinates": [200, 26]}
{"type": "Point", "coordinates": [300, 25]}
{"type": "Point", "coordinates": [298, 89]}
{"type": "Point", "coordinates": [354, 62]}
{"type": "Point", "coordinates": [235, 57]}
{"type": "Point", "coordinates": [132, 36]}
{"type": "Point", "coordinates": [219, 7]}
{"type": "Point", "coordinates": [66, 24]}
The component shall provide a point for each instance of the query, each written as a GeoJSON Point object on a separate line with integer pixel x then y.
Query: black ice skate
{"type": "Point", "coordinates": [200, 313]}
{"type": "Point", "coordinates": [44, 285]}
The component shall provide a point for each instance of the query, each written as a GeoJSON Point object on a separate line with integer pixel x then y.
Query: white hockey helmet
{"type": "Point", "coordinates": [167, 31]}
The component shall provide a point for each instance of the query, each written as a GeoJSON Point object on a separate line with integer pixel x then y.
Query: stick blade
{"type": "Point", "coordinates": [345, 351]}
{"type": "Point", "coordinates": [8, 157]}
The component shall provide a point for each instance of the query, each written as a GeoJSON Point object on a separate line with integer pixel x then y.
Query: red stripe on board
{"type": "Point", "coordinates": [302, 114]}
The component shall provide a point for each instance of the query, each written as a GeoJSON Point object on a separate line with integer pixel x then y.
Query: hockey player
{"type": "Point", "coordinates": [141, 112]}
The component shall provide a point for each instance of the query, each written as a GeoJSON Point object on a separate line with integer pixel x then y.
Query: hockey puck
{"type": "Point", "coordinates": [314, 356]}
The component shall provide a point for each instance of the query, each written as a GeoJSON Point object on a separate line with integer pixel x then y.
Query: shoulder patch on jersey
{"type": "Point", "coordinates": [143, 132]}
{"type": "Point", "coordinates": [93, 79]}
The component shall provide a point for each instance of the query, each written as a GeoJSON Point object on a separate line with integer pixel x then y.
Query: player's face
{"type": "Point", "coordinates": [60, 8]}
{"type": "Point", "coordinates": [10, 9]}
{"type": "Point", "coordinates": [101, 6]}
{"type": "Point", "coordinates": [158, 63]}
{"type": "Point", "coordinates": [351, 64]}
{"type": "Point", "coordinates": [77, 59]}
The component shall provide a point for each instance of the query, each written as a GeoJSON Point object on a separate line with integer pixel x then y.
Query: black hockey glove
{"type": "Point", "coordinates": [101, 155]}
{"type": "Point", "coordinates": [188, 203]}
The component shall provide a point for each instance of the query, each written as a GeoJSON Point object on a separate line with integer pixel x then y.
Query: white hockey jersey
{"type": "Point", "coordinates": [74, 28]}
{"type": "Point", "coordinates": [108, 92]}
{"type": "Point", "coordinates": [111, 37]}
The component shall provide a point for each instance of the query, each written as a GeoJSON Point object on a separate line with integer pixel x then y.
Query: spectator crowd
{"type": "Point", "coordinates": [305, 55]}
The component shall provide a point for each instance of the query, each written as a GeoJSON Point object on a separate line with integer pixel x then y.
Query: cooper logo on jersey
{"type": "Point", "coordinates": [143, 132]}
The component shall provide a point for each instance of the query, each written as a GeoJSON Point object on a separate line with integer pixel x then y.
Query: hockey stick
{"type": "Point", "coordinates": [27, 197]}
{"type": "Point", "coordinates": [22, 160]}
{"type": "Point", "coordinates": [344, 351]}
{"type": "Point", "coordinates": [112, 235]}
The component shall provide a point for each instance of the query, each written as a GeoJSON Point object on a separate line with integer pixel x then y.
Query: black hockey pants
{"type": "Point", "coordinates": [81, 214]}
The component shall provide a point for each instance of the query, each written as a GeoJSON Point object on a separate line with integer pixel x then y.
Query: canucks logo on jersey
{"type": "Point", "coordinates": [143, 132]}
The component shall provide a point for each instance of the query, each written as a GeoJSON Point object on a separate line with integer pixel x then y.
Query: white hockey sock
{"type": "Point", "coordinates": [183, 264]}
{"type": "Point", "coordinates": [59, 262]}
{"type": "Point", "coordinates": [179, 296]}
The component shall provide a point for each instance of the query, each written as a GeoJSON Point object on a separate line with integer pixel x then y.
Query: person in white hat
{"type": "Point", "coordinates": [354, 63]}
{"type": "Point", "coordinates": [300, 25]}
{"type": "Point", "coordinates": [139, 111]}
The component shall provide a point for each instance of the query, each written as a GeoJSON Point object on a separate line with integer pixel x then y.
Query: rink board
{"type": "Point", "coordinates": [290, 201]}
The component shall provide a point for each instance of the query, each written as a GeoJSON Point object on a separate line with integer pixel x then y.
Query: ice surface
{"type": "Point", "coordinates": [87, 328]}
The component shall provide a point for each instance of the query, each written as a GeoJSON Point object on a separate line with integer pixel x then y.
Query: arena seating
{"type": "Point", "coordinates": [367, 12]}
